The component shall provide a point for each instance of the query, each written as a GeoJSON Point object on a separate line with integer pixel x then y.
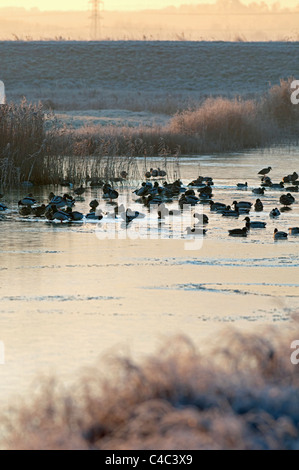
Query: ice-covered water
{"type": "Point", "coordinates": [68, 295]}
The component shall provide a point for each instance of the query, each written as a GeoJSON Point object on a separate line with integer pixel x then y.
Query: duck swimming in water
{"type": "Point", "coordinates": [238, 232]}
{"type": "Point", "coordinates": [274, 213]}
{"type": "Point", "coordinates": [279, 235]}
{"type": "Point", "coordinates": [255, 224]}
{"type": "Point", "coordinates": [294, 230]}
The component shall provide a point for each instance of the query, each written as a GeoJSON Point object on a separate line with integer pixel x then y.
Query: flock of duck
{"type": "Point", "coordinates": [151, 193]}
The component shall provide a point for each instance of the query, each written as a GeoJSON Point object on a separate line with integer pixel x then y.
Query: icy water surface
{"type": "Point", "coordinates": [68, 293]}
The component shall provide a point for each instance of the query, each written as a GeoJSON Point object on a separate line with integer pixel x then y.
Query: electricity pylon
{"type": "Point", "coordinates": [96, 18]}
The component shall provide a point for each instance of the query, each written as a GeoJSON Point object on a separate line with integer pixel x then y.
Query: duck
{"type": "Point", "coordinates": [265, 171]}
{"type": "Point", "coordinates": [266, 181]}
{"type": "Point", "coordinates": [61, 201]}
{"type": "Point", "coordinates": [53, 213]}
{"type": "Point", "coordinates": [287, 199]}
{"type": "Point", "coordinates": [242, 185]}
{"type": "Point", "coordinates": [93, 205]}
{"type": "Point", "coordinates": [206, 190]}
{"type": "Point", "coordinates": [258, 206]}
{"type": "Point", "coordinates": [294, 230]}
{"type": "Point", "coordinates": [2, 207]}
{"type": "Point", "coordinates": [25, 210]}
{"type": "Point", "coordinates": [290, 178]}
{"type": "Point", "coordinates": [278, 186]}
{"type": "Point", "coordinates": [74, 215]}
{"type": "Point", "coordinates": [188, 200]}
{"type": "Point", "coordinates": [230, 212]}
{"type": "Point", "coordinates": [79, 191]}
{"type": "Point", "coordinates": [109, 192]}
{"type": "Point", "coordinates": [161, 172]}
{"type": "Point", "coordinates": [217, 206]}
{"type": "Point", "coordinates": [258, 191]}
{"type": "Point", "coordinates": [94, 216]}
{"type": "Point", "coordinates": [255, 224]}
{"type": "Point", "coordinates": [202, 218]}
{"type": "Point", "coordinates": [292, 189]}
{"type": "Point", "coordinates": [243, 207]}
{"type": "Point", "coordinates": [242, 204]}
{"type": "Point", "coordinates": [27, 201]}
{"type": "Point", "coordinates": [279, 235]}
{"type": "Point", "coordinates": [274, 213]}
{"type": "Point", "coordinates": [238, 232]}
{"type": "Point", "coordinates": [130, 215]}
{"type": "Point", "coordinates": [38, 211]}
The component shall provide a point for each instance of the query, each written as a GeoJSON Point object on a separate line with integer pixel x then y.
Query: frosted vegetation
{"type": "Point", "coordinates": [34, 145]}
{"type": "Point", "coordinates": [240, 394]}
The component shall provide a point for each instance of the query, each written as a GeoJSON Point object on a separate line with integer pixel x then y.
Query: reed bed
{"type": "Point", "coordinates": [34, 146]}
{"type": "Point", "coordinates": [241, 394]}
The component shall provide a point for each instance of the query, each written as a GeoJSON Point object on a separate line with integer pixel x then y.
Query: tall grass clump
{"type": "Point", "coordinates": [221, 124]}
{"type": "Point", "coordinates": [22, 135]}
{"type": "Point", "coordinates": [241, 394]}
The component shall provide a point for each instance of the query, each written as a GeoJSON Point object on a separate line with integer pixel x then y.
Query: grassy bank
{"type": "Point", "coordinates": [33, 148]}
{"type": "Point", "coordinates": [242, 394]}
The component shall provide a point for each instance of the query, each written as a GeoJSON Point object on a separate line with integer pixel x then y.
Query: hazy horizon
{"type": "Point", "coordinates": [221, 20]}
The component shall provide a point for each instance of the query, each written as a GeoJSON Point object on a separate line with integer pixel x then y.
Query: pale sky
{"type": "Point", "coordinates": [117, 4]}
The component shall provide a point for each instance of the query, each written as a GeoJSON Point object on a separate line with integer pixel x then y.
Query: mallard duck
{"type": "Point", "coordinates": [74, 215]}
{"type": "Point", "coordinates": [274, 213]}
{"type": "Point", "coordinates": [258, 206]}
{"type": "Point", "coordinates": [94, 216]}
{"type": "Point", "coordinates": [25, 210]}
{"type": "Point", "coordinates": [242, 204]}
{"type": "Point", "coordinates": [238, 232]}
{"type": "Point", "coordinates": [242, 185]}
{"type": "Point", "coordinates": [258, 190]}
{"type": "Point", "coordinates": [255, 224]}
{"type": "Point", "coordinates": [287, 199]}
{"type": "Point", "coordinates": [217, 206]}
{"type": "Point", "coordinates": [161, 172]}
{"type": "Point", "coordinates": [130, 215]}
{"type": "Point", "coordinates": [279, 235]}
{"type": "Point", "coordinates": [289, 178]}
{"type": "Point", "coordinates": [79, 191]}
{"type": "Point", "coordinates": [230, 212]}
{"type": "Point", "coordinates": [27, 201]}
{"type": "Point", "coordinates": [39, 210]}
{"type": "Point", "coordinates": [109, 192]}
{"type": "Point", "coordinates": [278, 186]}
{"type": "Point", "coordinates": [93, 205]}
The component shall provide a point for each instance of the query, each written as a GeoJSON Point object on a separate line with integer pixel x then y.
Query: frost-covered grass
{"type": "Point", "coordinates": [241, 394]}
